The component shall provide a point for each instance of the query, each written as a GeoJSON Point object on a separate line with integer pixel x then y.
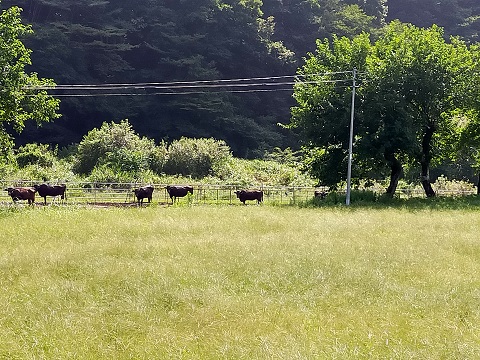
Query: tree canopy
{"type": "Point", "coordinates": [20, 100]}
{"type": "Point", "coordinates": [413, 87]}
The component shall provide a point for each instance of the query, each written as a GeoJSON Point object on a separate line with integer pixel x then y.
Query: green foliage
{"type": "Point", "coordinates": [21, 96]}
{"type": "Point", "coordinates": [116, 154]}
{"type": "Point", "coordinates": [196, 157]}
{"type": "Point", "coordinates": [458, 17]}
{"type": "Point", "coordinates": [357, 197]}
{"type": "Point", "coordinates": [268, 172]}
{"type": "Point", "coordinates": [412, 84]}
{"type": "Point", "coordinates": [105, 174]}
{"type": "Point", "coordinates": [37, 162]}
{"type": "Point", "coordinates": [157, 158]}
{"type": "Point", "coordinates": [119, 148]}
{"type": "Point", "coordinates": [353, 21]}
{"type": "Point", "coordinates": [286, 156]}
{"type": "Point", "coordinates": [35, 154]}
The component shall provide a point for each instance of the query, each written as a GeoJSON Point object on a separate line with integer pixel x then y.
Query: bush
{"type": "Point", "coordinates": [35, 154]}
{"type": "Point", "coordinates": [196, 157]}
{"type": "Point", "coordinates": [365, 197]}
{"type": "Point", "coordinates": [157, 158]}
{"type": "Point", "coordinates": [106, 175]}
{"type": "Point", "coordinates": [119, 148]}
{"type": "Point", "coordinates": [37, 162]}
{"type": "Point", "coordinates": [248, 172]}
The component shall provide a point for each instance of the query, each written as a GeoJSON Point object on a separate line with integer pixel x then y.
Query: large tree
{"type": "Point", "coordinates": [413, 84]}
{"type": "Point", "coordinates": [20, 100]}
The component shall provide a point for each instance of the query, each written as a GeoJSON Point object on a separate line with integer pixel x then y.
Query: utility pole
{"type": "Point", "coordinates": [350, 144]}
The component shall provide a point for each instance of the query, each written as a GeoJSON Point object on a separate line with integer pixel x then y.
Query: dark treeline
{"type": "Point", "coordinates": [129, 42]}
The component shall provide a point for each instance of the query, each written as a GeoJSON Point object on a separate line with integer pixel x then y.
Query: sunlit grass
{"type": "Point", "coordinates": [239, 282]}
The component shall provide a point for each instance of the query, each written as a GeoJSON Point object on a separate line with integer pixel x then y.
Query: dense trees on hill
{"type": "Point", "coordinates": [99, 42]}
{"type": "Point", "coordinates": [159, 45]}
{"type": "Point", "coordinates": [458, 17]}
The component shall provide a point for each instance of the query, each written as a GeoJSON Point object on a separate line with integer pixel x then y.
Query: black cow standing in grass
{"type": "Point", "coordinates": [144, 192]}
{"type": "Point", "coordinates": [245, 195]}
{"type": "Point", "coordinates": [22, 193]}
{"type": "Point", "coordinates": [45, 190]}
{"type": "Point", "coordinates": [176, 191]}
{"type": "Point", "coordinates": [322, 194]}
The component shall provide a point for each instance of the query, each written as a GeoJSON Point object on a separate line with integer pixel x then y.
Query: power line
{"type": "Point", "coordinates": [177, 83]}
{"type": "Point", "coordinates": [244, 85]}
{"type": "Point", "coordinates": [170, 93]}
{"type": "Point", "coordinates": [181, 87]}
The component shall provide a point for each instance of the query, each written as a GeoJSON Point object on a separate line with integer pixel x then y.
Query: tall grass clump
{"type": "Point", "coordinates": [239, 282]}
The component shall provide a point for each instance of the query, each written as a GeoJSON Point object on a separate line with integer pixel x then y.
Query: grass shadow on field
{"type": "Point", "coordinates": [369, 199]}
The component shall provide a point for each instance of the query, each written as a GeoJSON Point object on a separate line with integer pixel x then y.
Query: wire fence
{"type": "Point", "coordinates": [122, 193]}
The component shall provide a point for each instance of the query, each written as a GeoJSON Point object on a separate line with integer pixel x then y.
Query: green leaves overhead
{"type": "Point", "coordinates": [411, 84]}
{"type": "Point", "coordinates": [19, 100]}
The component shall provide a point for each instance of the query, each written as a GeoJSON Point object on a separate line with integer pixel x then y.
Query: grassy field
{"type": "Point", "coordinates": [239, 282]}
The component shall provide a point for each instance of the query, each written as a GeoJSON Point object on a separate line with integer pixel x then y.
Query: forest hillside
{"type": "Point", "coordinates": [203, 68]}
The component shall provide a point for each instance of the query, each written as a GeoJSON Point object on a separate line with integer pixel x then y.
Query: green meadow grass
{"type": "Point", "coordinates": [239, 282]}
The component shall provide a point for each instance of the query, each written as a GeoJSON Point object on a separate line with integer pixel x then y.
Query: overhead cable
{"type": "Point", "coordinates": [243, 85]}
{"type": "Point", "coordinates": [182, 83]}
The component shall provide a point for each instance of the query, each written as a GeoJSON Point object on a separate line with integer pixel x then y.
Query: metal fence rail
{"type": "Point", "coordinates": [122, 193]}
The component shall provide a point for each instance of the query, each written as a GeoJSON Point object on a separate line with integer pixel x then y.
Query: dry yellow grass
{"type": "Point", "coordinates": [239, 282]}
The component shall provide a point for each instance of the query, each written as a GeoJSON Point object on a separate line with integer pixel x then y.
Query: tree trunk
{"type": "Point", "coordinates": [395, 172]}
{"type": "Point", "coordinates": [425, 161]}
{"type": "Point", "coordinates": [478, 184]}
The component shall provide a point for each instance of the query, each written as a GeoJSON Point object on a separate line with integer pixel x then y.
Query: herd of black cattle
{"type": "Point", "coordinates": [44, 190]}
{"type": "Point", "coordinates": [145, 192]}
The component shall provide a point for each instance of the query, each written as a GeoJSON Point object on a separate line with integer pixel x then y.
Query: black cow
{"type": "Point", "coordinates": [245, 195]}
{"type": "Point", "coordinates": [45, 190]}
{"type": "Point", "coordinates": [322, 194]}
{"type": "Point", "coordinates": [22, 193]}
{"type": "Point", "coordinates": [176, 191]}
{"type": "Point", "coordinates": [144, 192]}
